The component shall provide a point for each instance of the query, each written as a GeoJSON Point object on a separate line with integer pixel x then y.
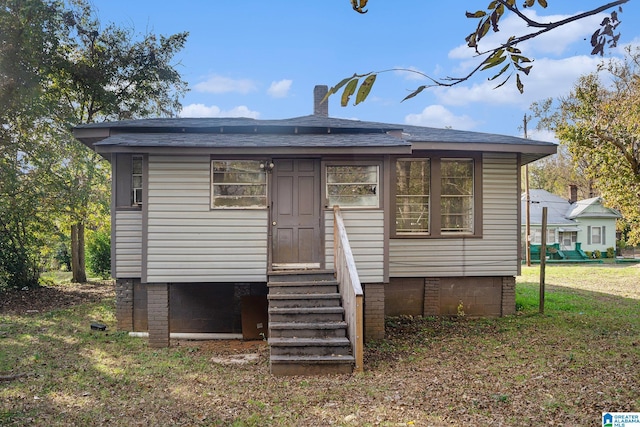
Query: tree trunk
{"type": "Point", "coordinates": [77, 253]}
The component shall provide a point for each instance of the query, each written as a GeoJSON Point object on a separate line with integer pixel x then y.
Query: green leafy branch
{"type": "Point", "coordinates": [507, 55]}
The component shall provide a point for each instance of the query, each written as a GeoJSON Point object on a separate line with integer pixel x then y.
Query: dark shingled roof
{"type": "Point", "coordinates": [318, 131]}
{"type": "Point", "coordinates": [246, 140]}
{"type": "Point", "coordinates": [426, 134]}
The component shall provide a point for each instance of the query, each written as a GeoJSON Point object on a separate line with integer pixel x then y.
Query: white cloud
{"type": "Point", "coordinates": [439, 117]}
{"type": "Point", "coordinates": [220, 84]}
{"type": "Point", "coordinates": [201, 110]}
{"type": "Point", "coordinates": [549, 78]}
{"type": "Point", "coordinates": [279, 89]}
{"type": "Point", "coordinates": [542, 135]}
{"type": "Point", "coordinates": [555, 42]}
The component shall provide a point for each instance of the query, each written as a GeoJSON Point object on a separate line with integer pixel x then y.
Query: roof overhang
{"type": "Point", "coordinates": [569, 229]}
{"type": "Point", "coordinates": [263, 144]}
{"type": "Point", "coordinates": [530, 153]}
{"type": "Point", "coordinates": [303, 135]}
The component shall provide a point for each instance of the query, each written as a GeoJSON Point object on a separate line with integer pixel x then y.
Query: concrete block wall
{"type": "Point", "coordinates": [373, 311]}
{"type": "Point", "coordinates": [158, 314]}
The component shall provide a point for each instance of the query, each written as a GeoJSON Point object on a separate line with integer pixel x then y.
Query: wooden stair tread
{"type": "Point", "coordinates": [293, 310]}
{"type": "Point", "coordinates": [311, 283]}
{"type": "Point", "coordinates": [313, 359]}
{"type": "Point", "coordinates": [299, 342]}
{"type": "Point", "coordinates": [308, 325]}
{"type": "Point", "coordinates": [302, 296]}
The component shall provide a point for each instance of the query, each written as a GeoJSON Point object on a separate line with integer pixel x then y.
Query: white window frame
{"type": "Point", "coordinates": [593, 235]}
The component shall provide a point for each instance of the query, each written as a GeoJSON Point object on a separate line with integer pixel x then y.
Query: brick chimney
{"type": "Point", "coordinates": [573, 193]}
{"type": "Point", "coordinates": [320, 108]}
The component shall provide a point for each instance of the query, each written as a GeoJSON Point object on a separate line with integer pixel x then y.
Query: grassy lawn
{"type": "Point", "coordinates": [580, 358]}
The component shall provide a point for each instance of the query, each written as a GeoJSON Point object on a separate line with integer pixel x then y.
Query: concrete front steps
{"type": "Point", "coordinates": [307, 331]}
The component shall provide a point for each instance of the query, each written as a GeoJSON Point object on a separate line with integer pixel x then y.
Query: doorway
{"type": "Point", "coordinates": [296, 214]}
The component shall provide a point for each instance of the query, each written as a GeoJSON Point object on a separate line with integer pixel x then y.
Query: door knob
{"type": "Point", "coordinates": [273, 223]}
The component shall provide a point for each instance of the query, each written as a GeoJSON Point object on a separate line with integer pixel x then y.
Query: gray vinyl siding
{"type": "Point", "coordinates": [187, 241]}
{"type": "Point", "coordinates": [495, 254]}
{"type": "Point", "coordinates": [365, 229]}
{"type": "Point", "coordinates": [128, 244]}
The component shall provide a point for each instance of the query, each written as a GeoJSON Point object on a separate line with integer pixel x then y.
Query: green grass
{"type": "Point", "coordinates": [58, 277]}
{"type": "Point", "coordinates": [566, 366]}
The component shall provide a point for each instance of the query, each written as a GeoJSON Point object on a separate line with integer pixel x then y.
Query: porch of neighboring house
{"type": "Point", "coordinates": [556, 254]}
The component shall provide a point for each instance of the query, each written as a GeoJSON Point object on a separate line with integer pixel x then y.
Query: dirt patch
{"type": "Point", "coordinates": [223, 347]}
{"type": "Point", "coordinates": [53, 297]}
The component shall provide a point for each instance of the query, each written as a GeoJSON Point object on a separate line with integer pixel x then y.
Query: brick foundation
{"type": "Point", "coordinates": [158, 314]}
{"type": "Point", "coordinates": [445, 296]}
{"type": "Point", "coordinates": [508, 295]}
{"type": "Point", "coordinates": [431, 296]}
{"type": "Point", "coordinates": [373, 311]}
{"type": "Point", "coordinates": [124, 304]}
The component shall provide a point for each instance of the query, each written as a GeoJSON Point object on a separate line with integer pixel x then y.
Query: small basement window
{"type": "Point", "coordinates": [238, 184]}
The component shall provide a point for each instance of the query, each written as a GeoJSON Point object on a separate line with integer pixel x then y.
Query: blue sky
{"type": "Point", "coordinates": [261, 59]}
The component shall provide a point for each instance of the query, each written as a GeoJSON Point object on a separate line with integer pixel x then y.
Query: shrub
{"type": "Point", "coordinates": [62, 256]}
{"type": "Point", "coordinates": [99, 253]}
{"type": "Point", "coordinates": [611, 253]}
{"type": "Point", "coordinates": [589, 254]}
{"type": "Point", "coordinates": [18, 265]}
{"type": "Point", "coordinates": [597, 254]}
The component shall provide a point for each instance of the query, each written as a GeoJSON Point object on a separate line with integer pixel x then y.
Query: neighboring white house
{"type": "Point", "coordinates": [587, 222]}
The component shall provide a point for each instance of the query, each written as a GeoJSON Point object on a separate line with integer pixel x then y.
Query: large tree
{"type": "Point", "coordinates": [106, 75]}
{"type": "Point", "coordinates": [59, 68]}
{"type": "Point", "coordinates": [556, 173]}
{"type": "Point", "coordinates": [506, 57]}
{"type": "Point", "coordinates": [600, 124]}
{"type": "Point", "coordinates": [29, 34]}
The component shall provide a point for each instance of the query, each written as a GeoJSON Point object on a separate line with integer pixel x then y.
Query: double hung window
{"type": "Point", "coordinates": [413, 189]}
{"type": "Point", "coordinates": [238, 184]}
{"type": "Point", "coordinates": [437, 196]}
{"type": "Point", "coordinates": [352, 186]}
{"type": "Point", "coordinates": [456, 196]}
{"type": "Point", "coordinates": [136, 180]}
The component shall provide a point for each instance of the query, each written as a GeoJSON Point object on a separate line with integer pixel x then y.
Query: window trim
{"type": "Point", "coordinates": [592, 235]}
{"type": "Point", "coordinates": [473, 207]}
{"type": "Point", "coordinates": [377, 163]}
{"type": "Point", "coordinates": [435, 212]}
{"type": "Point", "coordinates": [122, 182]}
{"type": "Point", "coordinates": [139, 203]}
{"type": "Point", "coordinates": [395, 197]}
{"type": "Point", "coordinates": [265, 184]}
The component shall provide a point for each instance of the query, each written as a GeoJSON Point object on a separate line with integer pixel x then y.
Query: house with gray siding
{"type": "Point", "coordinates": [211, 217]}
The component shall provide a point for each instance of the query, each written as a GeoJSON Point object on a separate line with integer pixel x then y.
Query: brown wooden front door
{"type": "Point", "coordinates": [296, 241]}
